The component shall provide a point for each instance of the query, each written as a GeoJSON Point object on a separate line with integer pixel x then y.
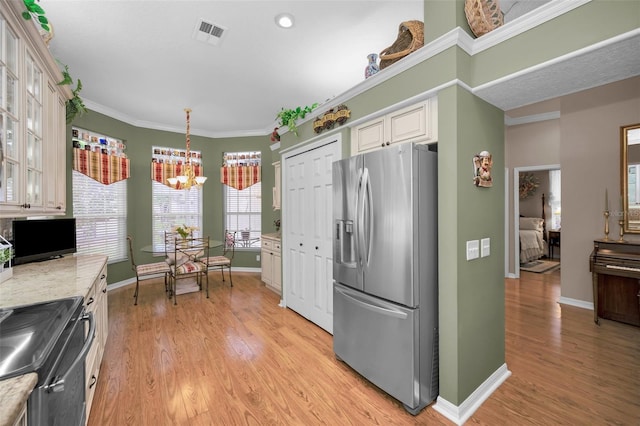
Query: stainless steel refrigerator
{"type": "Point", "coordinates": [385, 296]}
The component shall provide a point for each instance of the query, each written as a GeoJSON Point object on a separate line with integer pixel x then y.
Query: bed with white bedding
{"type": "Point", "coordinates": [533, 238]}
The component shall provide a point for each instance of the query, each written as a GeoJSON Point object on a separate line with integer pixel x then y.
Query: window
{"type": "Point", "coordinates": [100, 210]}
{"type": "Point", "coordinates": [243, 208]}
{"type": "Point", "coordinates": [554, 200]}
{"type": "Point", "coordinates": [101, 217]}
{"type": "Point", "coordinates": [173, 207]}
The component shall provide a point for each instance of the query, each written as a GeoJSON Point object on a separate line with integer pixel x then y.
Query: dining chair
{"type": "Point", "coordinates": [224, 261]}
{"type": "Point", "coordinates": [147, 270]}
{"type": "Point", "coordinates": [189, 261]}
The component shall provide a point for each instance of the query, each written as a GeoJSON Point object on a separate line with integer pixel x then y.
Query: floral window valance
{"type": "Point", "coordinates": [240, 170]}
{"type": "Point", "coordinates": [104, 168]}
{"type": "Point", "coordinates": [240, 177]}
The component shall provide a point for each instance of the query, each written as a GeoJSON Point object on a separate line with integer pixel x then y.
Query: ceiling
{"type": "Point", "coordinates": [140, 63]}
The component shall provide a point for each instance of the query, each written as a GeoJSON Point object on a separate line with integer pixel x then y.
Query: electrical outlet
{"type": "Point", "coordinates": [258, 257]}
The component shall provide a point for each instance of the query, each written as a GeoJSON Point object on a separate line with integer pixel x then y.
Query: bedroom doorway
{"type": "Point", "coordinates": [530, 183]}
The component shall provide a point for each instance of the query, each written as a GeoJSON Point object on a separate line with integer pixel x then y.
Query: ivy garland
{"type": "Point", "coordinates": [528, 185]}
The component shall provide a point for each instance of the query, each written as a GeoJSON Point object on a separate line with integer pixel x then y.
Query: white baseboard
{"type": "Point", "coordinates": [128, 281]}
{"type": "Point", "coordinates": [460, 414]}
{"type": "Point", "coordinates": [575, 302]}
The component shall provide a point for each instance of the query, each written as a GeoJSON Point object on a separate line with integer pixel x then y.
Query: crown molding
{"type": "Point", "coordinates": [456, 37]}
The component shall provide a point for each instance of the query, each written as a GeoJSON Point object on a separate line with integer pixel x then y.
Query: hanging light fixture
{"type": "Point", "coordinates": [188, 178]}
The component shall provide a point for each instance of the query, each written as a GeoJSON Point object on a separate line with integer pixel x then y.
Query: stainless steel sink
{"type": "Point", "coordinates": [28, 334]}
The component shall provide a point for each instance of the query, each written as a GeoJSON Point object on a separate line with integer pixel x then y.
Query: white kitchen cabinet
{"type": "Point", "coordinates": [32, 120]}
{"type": "Point", "coordinates": [416, 123]}
{"type": "Point", "coordinates": [277, 185]}
{"type": "Point", "coordinates": [96, 302]}
{"type": "Point", "coordinates": [271, 262]}
{"type": "Point", "coordinates": [55, 153]}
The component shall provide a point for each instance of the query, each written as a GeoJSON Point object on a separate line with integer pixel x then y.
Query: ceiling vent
{"type": "Point", "coordinates": [208, 32]}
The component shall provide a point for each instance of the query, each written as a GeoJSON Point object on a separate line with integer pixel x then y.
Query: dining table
{"type": "Point", "coordinates": [183, 286]}
{"type": "Point", "coordinates": [159, 250]}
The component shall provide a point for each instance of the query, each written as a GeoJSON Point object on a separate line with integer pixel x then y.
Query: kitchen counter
{"type": "Point", "coordinates": [13, 394]}
{"type": "Point", "coordinates": [39, 282]}
{"type": "Point", "coordinates": [273, 236]}
{"type": "Point", "coordinates": [271, 264]}
{"type": "Point", "coordinates": [53, 279]}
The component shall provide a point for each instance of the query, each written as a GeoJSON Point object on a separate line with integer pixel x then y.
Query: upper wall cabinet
{"type": "Point", "coordinates": [32, 120]}
{"type": "Point", "coordinates": [416, 123]}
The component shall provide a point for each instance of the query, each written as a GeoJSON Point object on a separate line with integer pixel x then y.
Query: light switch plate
{"type": "Point", "coordinates": [473, 249]}
{"type": "Point", "coordinates": [485, 247]}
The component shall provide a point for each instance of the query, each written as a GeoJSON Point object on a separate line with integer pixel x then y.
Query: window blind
{"type": "Point", "coordinates": [243, 208]}
{"type": "Point", "coordinates": [101, 217]}
{"type": "Point", "coordinates": [173, 207]}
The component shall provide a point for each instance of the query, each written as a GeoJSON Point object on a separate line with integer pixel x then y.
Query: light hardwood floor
{"type": "Point", "coordinates": [237, 358]}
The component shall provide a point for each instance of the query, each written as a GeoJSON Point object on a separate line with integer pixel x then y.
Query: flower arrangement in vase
{"type": "Point", "coordinates": [184, 231]}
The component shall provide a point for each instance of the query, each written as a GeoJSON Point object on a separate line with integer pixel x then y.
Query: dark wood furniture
{"type": "Point", "coordinates": [554, 241]}
{"type": "Point", "coordinates": [615, 268]}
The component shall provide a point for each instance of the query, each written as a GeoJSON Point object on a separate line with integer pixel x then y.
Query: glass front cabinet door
{"type": "Point", "coordinates": [30, 122]}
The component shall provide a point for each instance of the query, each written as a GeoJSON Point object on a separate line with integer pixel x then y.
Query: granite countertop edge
{"type": "Point", "coordinates": [14, 393]}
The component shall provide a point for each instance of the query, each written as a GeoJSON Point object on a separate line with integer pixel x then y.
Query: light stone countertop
{"type": "Point", "coordinates": [50, 280]}
{"type": "Point", "coordinates": [39, 282]}
{"type": "Point", "coordinates": [273, 236]}
{"type": "Point", "coordinates": [14, 392]}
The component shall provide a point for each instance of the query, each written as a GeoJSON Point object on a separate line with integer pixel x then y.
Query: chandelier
{"type": "Point", "coordinates": [188, 178]}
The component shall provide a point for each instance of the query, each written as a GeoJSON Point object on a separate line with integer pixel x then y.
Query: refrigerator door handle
{"type": "Point", "coordinates": [368, 237]}
{"type": "Point", "coordinates": [373, 305]}
{"type": "Point", "coordinates": [359, 215]}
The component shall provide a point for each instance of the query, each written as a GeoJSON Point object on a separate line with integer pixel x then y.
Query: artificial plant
{"type": "Point", "coordinates": [34, 10]}
{"type": "Point", "coordinates": [288, 117]}
{"type": "Point", "coordinates": [74, 106]}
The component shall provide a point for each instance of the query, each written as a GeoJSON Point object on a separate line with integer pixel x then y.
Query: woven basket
{"type": "Point", "coordinates": [410, 38]}
{"type": "Point", "coordinates": [483, 15]}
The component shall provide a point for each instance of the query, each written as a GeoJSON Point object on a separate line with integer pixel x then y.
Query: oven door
{"type": "Point", "coordinates": [59, 399]}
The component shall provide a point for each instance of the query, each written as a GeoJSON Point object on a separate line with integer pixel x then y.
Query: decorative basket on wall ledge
{"type": "Point", "coordinates": [410, 38]}
{"type": "Point", "coordinates": [483, 16]}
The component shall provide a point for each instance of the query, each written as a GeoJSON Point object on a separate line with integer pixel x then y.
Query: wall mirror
{"type": "Point", "coordinates": [630, 177]}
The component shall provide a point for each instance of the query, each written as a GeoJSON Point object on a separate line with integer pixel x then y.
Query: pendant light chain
{"type": "Point", "coordinates": [188, 111]}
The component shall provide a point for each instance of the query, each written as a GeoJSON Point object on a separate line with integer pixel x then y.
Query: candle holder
{"type": "Point", "coordinates": [606, 225]}
{"type": "Point", "coordinates": [621, 223]}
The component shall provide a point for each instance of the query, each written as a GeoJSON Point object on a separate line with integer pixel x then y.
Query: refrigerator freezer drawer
{"type": "Point", "coordinates": [377, 339]}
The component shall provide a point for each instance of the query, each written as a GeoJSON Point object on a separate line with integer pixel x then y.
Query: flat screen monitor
{"type": "Point", "coordinates": [43, 239]}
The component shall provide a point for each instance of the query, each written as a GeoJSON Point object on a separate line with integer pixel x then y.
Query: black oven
{"type": "Point", "coordinates": [49, 339]}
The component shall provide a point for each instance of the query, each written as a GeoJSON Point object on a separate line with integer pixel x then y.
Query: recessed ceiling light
{"type": "Point", "coordinates": [284, 20]}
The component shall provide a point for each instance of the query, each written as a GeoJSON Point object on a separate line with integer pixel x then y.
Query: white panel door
{"type": "Point", "coordinates": [295, 229]}
{"type": "Point", "coordinates": [308, 278]}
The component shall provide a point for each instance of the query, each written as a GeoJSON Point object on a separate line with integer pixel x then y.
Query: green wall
{"type": "Point", "coordinates": [471, 296]}
{"type": "Point", "coordinates": [139, 142]}
{"type": "Point", "coordinates": [471, 293]}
